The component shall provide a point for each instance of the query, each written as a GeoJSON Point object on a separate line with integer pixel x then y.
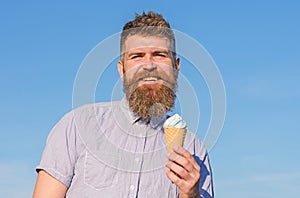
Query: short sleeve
{"type": "Point", "coordinates": [59, 156]}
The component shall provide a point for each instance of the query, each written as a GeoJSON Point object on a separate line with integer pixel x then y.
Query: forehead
{"type": "Point", "coordinates": [140, 42]}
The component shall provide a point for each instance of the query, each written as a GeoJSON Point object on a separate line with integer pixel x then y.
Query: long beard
{"type": "Point", "coordinates": [151, 101]}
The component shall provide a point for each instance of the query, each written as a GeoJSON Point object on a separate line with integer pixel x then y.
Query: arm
{"type": "Point", "coordinates": [48, 187]}
{"type": "Point", "coordinates": [55, 171]}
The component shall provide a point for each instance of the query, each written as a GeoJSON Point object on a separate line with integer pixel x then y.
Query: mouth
{"type": "Point", "coordinates": [150, 79]}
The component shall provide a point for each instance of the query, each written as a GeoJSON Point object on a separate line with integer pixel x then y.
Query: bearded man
{"type": "Point", "coordinates": [117, 149]}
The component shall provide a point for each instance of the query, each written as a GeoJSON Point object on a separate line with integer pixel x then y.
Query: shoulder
{"type": "Point", "coordinates": [81, 120]}
{"type": "Point", "coordinates": [88, 113]}
{"type": "Point", "coordinates": [93, 109]}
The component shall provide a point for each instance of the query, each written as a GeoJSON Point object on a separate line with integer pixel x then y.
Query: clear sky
{"type": "Point", "coordinates": [255, 44]}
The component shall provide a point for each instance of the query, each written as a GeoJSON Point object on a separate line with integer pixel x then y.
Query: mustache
{"type": "Point", "coordinates": [163, 76]}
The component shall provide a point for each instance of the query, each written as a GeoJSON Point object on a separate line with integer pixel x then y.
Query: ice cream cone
{"type": "Point", "coordinates": [174, 137]}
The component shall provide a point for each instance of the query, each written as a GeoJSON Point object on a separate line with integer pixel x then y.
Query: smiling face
{"type": "Point", "coordinates": [149, 75]}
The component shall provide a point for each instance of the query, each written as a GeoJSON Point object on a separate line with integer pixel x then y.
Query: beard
{"type": "Point", "coordinates": [151, 100]}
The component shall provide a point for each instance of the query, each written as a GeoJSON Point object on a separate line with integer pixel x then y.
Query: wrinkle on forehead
{"type": "Point", "coordinates": [139, 42]}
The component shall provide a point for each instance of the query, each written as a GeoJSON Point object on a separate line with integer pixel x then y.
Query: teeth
{"type": "Point", "coordinates": [150, 79]}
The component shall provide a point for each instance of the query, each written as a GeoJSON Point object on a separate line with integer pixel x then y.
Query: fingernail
{"type": "Point", "coordinates": [168, 155]}
{"type": "Point", "coordinates": [167, 163]}
{"type": "Point", "coordinates": [175, 148]}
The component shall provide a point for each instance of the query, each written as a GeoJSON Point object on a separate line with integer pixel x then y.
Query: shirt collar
{"type": "Point", "coordinates": [133, 118]}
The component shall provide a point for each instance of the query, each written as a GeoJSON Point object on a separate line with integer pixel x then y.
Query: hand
{"type": "Point", "coordinates": [184, 172]}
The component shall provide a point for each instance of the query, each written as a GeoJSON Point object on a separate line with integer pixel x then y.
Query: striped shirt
{"type": "Point", "coordinates": [104, 150]}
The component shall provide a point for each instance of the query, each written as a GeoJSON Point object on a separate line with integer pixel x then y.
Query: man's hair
{"type": "Point", "coordinates": [149, 24]}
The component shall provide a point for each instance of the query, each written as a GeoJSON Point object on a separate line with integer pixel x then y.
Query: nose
{"type": "Point", "coordinates": [149, 64]}
{"type": "Point", "coordinates": [149, 67]}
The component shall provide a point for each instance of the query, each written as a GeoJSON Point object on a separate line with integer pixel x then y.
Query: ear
{"type": "Point", "coordinates": [177, 63]}
{"type": "Point", "coordinates": [120, 68]}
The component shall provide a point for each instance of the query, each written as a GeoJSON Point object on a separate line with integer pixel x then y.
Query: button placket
{"type": "Point", "coordinates": [133, 185]}
{"type": "Point", "coordinates": [141, 132]}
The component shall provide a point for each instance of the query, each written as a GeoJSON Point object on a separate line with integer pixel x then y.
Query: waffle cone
{"type": "Point", "coordinates": [174, 137]}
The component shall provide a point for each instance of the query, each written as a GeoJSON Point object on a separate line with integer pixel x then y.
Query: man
{"type": "Point", "coordinates": [117, 149]}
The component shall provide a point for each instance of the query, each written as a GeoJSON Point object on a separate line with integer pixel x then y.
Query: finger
{"type": "Point", "coordinates": [178, 170]}
{"type": "Point", "coordinates": [182, 161]}
{"type": "Point", "coordinates": [175, 179]}
{"type": "Point", "coordinates": [185, 153]}
{"type": "Point", "coordinates": [182, 151]}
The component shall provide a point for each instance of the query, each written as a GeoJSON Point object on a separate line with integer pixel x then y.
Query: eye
{"type": "Point", "coordinates": [161, 54]}
{"type": "Point", "coordinates": [135, 56]}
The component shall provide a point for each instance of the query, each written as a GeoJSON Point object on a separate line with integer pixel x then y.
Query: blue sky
{"type": "Point", "coordinates": [255, 44]}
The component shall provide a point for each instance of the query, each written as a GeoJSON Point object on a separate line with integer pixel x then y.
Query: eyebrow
{"type": "Point", "coordinates": [135, 53]}
{"type": "Point", "coordinates": [161, 52]}
{"type": "Point", "coordinates": [154, 52]}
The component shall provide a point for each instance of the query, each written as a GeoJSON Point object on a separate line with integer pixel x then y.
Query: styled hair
{"type": "Point", "coordinates": [149, 24]}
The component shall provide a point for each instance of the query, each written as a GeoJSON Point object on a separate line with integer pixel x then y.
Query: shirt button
{"type": "Point", "coordinates": [137, 159]}
{"type": "Point", "coordinates": [132, 187]}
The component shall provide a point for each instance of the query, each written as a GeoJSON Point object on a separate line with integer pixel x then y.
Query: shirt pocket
{"type": "Point", "coordinates": [99, 174]}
